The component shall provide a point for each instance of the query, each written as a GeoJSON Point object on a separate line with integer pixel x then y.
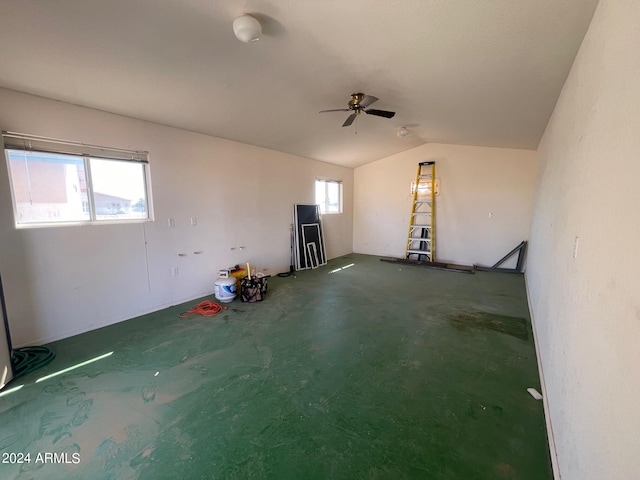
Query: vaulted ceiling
{"type": "Point", "coordinates": [475, 72]}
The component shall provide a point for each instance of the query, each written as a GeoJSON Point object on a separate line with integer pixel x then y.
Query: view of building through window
{"type": "Point", "coordinates": [58, 188]}
{"type": "Point", "coordinates": [119, 189]}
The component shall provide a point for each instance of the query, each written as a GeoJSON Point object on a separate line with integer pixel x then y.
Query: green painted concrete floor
{"type": "Point", "coordinates": [377, 371]}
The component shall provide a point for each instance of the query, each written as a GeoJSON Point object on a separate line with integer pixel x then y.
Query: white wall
{"type": "Point", "coordinates": [586, 309]}
{"type": "Point", "coordinates": [474, 182]}
{"type": "Point", "coordinates": [61, 281]}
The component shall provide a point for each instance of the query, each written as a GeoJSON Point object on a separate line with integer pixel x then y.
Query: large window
{"type": "Point", "coordinates": [329, 196]}
{"type": "Point", "coordinates": [55, 182]}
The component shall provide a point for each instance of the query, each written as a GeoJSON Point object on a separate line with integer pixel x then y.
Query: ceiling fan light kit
{"type": "Point", "coordinates": [359, 103]}
{"type": "Point", "coordinates": [247, 29]}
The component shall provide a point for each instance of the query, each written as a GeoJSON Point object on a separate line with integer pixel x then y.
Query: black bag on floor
{"type": "Point", "coordinates": [253, 289]}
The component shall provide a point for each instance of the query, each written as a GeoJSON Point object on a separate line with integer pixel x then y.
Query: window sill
{"type": "Point", "coordinates": [28, 226]}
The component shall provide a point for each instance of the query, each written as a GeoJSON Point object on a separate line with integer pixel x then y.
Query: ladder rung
{"type": "Point", "coordinates": [421, 213]}
{"type": "Point", "coordinates": [426, 175]}
{"type": "Point", "coordinates": [422, 201]}
{"type": "Point", "coordinates": [420, 226]}
{"type": "Point", "coordinates": [419, 252]}
{"type": "Point", "coordinates": [419, 239]}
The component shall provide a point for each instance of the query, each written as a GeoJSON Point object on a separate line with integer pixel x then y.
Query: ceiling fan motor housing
{"type": "Point", "coordinates": [354, 103]}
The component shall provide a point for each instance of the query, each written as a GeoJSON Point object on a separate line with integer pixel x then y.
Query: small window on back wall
{"type": "Point", "coordinates": [56, 182]}
{"type": "Point", "coordinates": [329, 196]}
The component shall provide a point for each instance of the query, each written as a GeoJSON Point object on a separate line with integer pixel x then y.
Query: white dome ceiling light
{"type": "Point", "coordinates": [402, 132]}
{"type": "Point", "coordinates": [247, 29]}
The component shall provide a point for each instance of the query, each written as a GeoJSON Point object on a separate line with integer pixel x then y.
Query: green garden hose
{"type": "Point", "coordinates": [28, 359]}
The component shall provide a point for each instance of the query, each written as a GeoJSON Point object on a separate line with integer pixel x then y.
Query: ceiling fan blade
{"type": "Point", "coordinates": [380, 113]}
{"type": "Point", "coordinates": [367, 100]}
{"type": "Point", "coordinates": [349, 119]}
{"type": "Point", "coordinates": [335, 110]}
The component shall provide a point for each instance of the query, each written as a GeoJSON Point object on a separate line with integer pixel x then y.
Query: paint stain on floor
{"type": "Point", "coordinates": [477, 320]}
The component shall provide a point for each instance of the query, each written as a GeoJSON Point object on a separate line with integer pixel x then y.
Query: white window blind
{"type": "Point", "coordinates": [21, 141]}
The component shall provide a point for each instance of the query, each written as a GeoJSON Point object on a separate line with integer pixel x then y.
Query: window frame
{"type": "Point", "coordinates": [30, 143]}
{"type": "Point", "coordinates": [323, 207]}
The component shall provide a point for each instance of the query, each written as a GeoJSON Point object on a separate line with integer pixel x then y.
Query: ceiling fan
{"type": "Point", "coordinates": [359, 103]}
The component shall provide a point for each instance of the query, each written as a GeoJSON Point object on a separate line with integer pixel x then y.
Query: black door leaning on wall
{"type": "Point", "coordinates": [309, 241]}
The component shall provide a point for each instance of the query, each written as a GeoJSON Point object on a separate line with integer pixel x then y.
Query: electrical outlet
{"type": "Point", "coordinates": [194, 221]}
{"type": "Point", "coordinates": [171, 222]}
{"type": "Point", "coordinates": [174, 271]}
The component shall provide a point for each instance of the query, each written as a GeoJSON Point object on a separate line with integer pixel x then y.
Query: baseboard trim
{"type": "Point", "coordinates": [553, 453]}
